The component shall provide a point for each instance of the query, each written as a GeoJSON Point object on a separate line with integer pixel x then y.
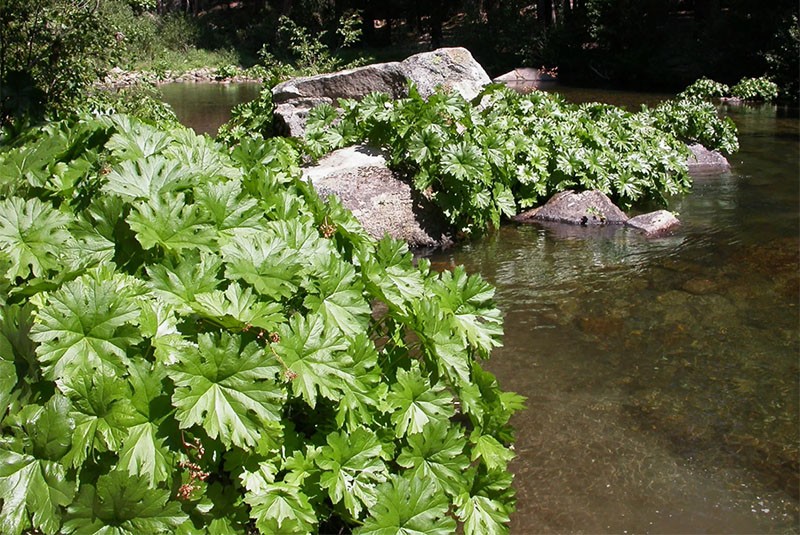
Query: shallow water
{"type": "Point", "coordinates": [205, 106]}
{"type": "Point", "coordinates": [661, 374]}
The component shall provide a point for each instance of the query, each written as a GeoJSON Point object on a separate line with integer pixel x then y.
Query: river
{"type": "Point", "coordinates": [662, 375]}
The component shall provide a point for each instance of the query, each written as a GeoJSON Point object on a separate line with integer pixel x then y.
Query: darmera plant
{"type": "Point", "coordinates": [194, 342]}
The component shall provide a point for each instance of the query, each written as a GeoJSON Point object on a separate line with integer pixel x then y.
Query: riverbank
{"type": "Point", "coordinates": [119, 78]}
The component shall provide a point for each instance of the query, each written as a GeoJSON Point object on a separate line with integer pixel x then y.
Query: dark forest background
{"type": "Point", "coordinates": [644, 44]}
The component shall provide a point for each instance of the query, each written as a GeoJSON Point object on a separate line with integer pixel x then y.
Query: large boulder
{"type": "Point", "coordinates": [705, 162]}
{"type": "Point", "coordinates": [381, 200]}
{"type": "Point", "coordinates": [586, 208]}
{"type": "Point", "coordinates": [451, 68]}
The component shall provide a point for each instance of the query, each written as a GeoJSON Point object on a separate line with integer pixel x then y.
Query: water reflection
{"type": "Point", "coordinates": [203, 107]}
{"type": "Point", "coordinates": [662, 375]}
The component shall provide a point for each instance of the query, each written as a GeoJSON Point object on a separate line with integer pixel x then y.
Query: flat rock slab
{"type": "Point", "coordinates": [587, 208]}
{"type": "Point", "coordinates": [654, 223]}
{"type": "Point", "coordinates": [526, 74]}
{"type": "Point", "coordinates": [380, 199]}
{"type": "Point", "coordinates": [453, 69]}
{"type": "Point", "coordinates": [704, 162]}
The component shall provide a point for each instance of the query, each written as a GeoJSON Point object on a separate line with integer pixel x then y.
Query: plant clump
{"type": "Point", "coordinates": [486, 159]}
{"type": "Point", "coordinates": [194, 342]}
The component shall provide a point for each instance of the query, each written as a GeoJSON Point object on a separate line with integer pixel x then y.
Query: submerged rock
{"type": "Point", "coordinates": [706, 162]}
{"type": "Point", "coordinates": [451, 68]}
{"type": "Point", "coordinates": [654, 223]}
{"type": "Point", "coordinates": [380, 199]}
{"type": "Point", "coordinates": [587, 208]}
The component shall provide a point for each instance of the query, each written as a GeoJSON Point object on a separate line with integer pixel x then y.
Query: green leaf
{"type": "Point", "coordinates": [87, 323]}
{"type": "Point", "coordinates": [31, 236]}
{"type": "Point", "coordinates": [393, 275]}
{"type": "Point", "coordinates": [228, 209]}
{"type": "Point", "coordinates": [340, 301]}
{"type": "Point", "coordinates": [494, 455]}
{"type": "Point", "coordinates": [437, 455]}
{"type": "Point", "coordinates": [314, 356]}
{"type": "Point", "coordinates": [281, 508]}
{"type": "Point", "coordinates": [227, 389]}
{"type": "Point", "coordinates": [144, 454]}
{"type": "Point", "coordinates": [167, 221]}
{"type": "Point", "coordinates": [351, 466]}
{"type": "Point", "coordinates": [482, 515]}
{"type": "Point", "coordinates": [470, 299]}
{"type": "Point", "coordinates": [143, 451]}
{"type": "Point", "coordinates": [416, 404]}
{"type": "Point", "coordinates": [238, 308]}
{"type": "Point", "coordinates": [148, 178]}
{"type": "Point", "coordinates": [363, 391]}
{"type": "Point", "coordinates": [464, 160]}
{"type": "Point", "coordinates": [34, 486]}
{"type": "Point", "coordinates": [407, 506]}
{"type": "Point", "coordinates": [134, 139]}
{"type": "Point", "coordinates": [102, 412]}
{"type": "Point", "coordinates": [31, 478]}
{"type": "Point", "coordinates": [121, 504]}
{"type": "Point", "coordinates": [178, 283]}
{"type": "Point", "coordinates": [264, 261]}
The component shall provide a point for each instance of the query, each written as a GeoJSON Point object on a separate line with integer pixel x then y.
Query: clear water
{"type": "Point", "coordinates": [662, 375]}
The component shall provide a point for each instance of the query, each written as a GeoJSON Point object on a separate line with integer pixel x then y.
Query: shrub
{"type": "Point", "coordinates": [194, 342]}
{"type": "Point", "coordinates": [757, 89]}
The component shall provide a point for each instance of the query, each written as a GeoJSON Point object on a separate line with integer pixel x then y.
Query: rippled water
{"type": "Point", "coordinates": [661, 374]}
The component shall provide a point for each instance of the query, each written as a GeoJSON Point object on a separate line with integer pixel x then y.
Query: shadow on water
{"type": "Point", "coordinates": [662, 374]}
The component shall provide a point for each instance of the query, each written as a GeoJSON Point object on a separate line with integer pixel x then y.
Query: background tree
{"type": "Point", "coordinates": [50, 51]}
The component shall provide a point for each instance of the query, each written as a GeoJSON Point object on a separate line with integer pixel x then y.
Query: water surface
{"type": "Point", "coordinates": [661, 374]}
{"type": "Point", "coordinates": [205, 106]}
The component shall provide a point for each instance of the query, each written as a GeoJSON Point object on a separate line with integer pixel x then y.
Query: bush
{"type": "Point", "coordinates": [194, 342]}
{"type": "Point", "coordinates": [755, 89]}
{"type": "Point", "coordinates": [485, 162]}
{"type": "Point", "coordinates": [50, 52]}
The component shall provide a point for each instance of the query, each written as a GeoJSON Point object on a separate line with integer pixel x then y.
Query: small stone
{"type": "Point", "coordinates": [654, 223]}
{"type": "Point", "coordinates": [699, 286]}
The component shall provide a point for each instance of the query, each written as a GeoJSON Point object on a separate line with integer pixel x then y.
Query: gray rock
{"type": "Point", "coordinates": [454, 69]}
{"type": "Point", "coordinates": [704, 162]}
{"type": "Point", "coordinates": [585, 208]}
{"type": "Point", "coordinates": [526, 74]}
{"type": "Point", "coordinates": [381, 200]}
{"type": "Point", "coordinates": [654, 223]}
{"type": "Point", "coordinates": [451, 68]}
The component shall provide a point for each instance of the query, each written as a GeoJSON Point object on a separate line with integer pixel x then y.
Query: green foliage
{"type": "Point", "coordinates": [50, 52]}
{"type": "Point", "coordinates": [705, 88]}
{"type": "Point", "coordinates": [482, 161]}
{"type": "Point", "coordinates": [696, 121]}
{"type": "Point", "coordinates": [759, 89]}
{"type": "Point", "coordinates": [194, 342]}
{"type": "Point", "coordinates": [299, 53]}
{"type": "Point", "coordinates": [249, 120]}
